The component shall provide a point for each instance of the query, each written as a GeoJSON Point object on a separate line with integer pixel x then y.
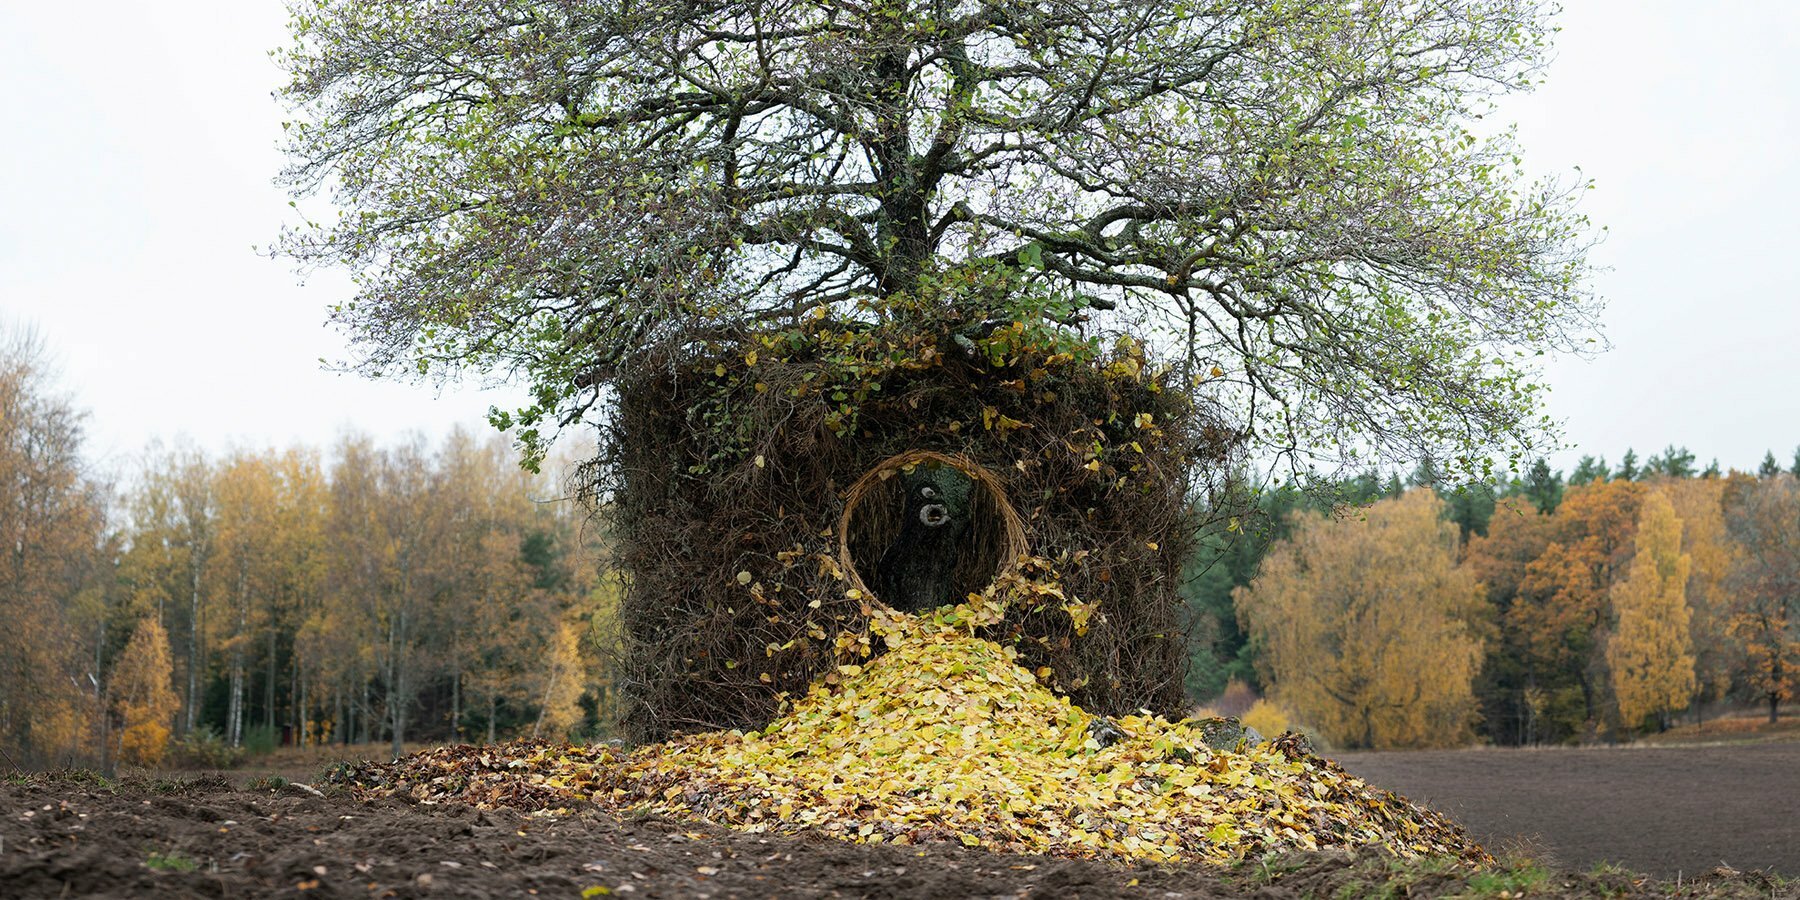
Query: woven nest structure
{"type": "Point", "coordinates": [750, 490]}
{"type": "Point", "coordinates": [995, 542]}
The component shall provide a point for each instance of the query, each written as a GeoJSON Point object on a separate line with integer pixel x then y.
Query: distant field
{"type": "Point", "coordinates": [1665, 810]}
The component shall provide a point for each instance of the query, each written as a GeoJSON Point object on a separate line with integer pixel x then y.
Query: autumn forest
{"type": "Point", "coordinates": [204, 604]}
{"type": "Point", "coordinates": [1542, 609]}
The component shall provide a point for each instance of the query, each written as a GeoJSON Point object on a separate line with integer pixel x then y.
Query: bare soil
{"type": "Point", "coordinates": [1671, 811]}
{"type": "Point", "coordinates": [229, 835]}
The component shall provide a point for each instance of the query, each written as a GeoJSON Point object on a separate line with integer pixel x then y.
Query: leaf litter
{"type": "Point", "coordinates": [946, 737]}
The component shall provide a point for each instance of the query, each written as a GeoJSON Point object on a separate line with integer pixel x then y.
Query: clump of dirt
{"type": "Point", "coordinates": [945, 737]}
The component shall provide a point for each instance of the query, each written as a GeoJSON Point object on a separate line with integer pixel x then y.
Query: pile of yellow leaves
{"type": "Point", "coordinates": [947, 737]}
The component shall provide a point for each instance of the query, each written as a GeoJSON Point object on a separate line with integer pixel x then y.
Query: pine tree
{"type": "Point", "coordinates": [1628, 465]}
{"type": "Point", "coordinates": [1543, 487]}
{"type": "Point", "coordinates": [1651, 653]}
{"type": "Point", "coordinates": [1425, 474]}
{"type": "Point", "coordinates": [1675, 462]}
{"type": "Point", "coordinates": [1471, 508]}
{"type": "Point", "coordinates": [1769, 468]}
{"type": "Point", "coordinates": [1589, 469]}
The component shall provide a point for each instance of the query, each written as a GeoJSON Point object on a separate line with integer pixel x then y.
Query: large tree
{"type": "Point", "coordinates": [1370, 631]}
{"type": "Point", "coordinates": [1764, 520]}
{"type": "Point", "coordinates": [52, 522]}
{"type": "Point", "coordinates": [1286, 195]}
{"type": "Point", "coordinates": [1559, 618]}
{"type": "Point", "coordinates": [1513, 699]}
{"type": "Point", "coordinates": [1699, 503]}
{"type": "Point", "coordinates": [1650, 651]}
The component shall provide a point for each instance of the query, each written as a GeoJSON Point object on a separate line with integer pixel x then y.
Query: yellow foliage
{"type": "Point", "coordinates": [565, 678]}
{"type": "Point", "coordinates": [1267, 718]}
{"type": "Point", "coordinates": [61, 723]}
{"type": "Point", "coordinates": [1699, 504]}
{"type": "Point", "coordinates": [1650, 653]}
{"type": "Point", "coordinates": [143, 743]}
{"type": "Point", "coordinates": [142, 695]}
{"type": "Point", "coordinates": [1371, 631]}
{"type": "Point", "coordinates": [947, 737]}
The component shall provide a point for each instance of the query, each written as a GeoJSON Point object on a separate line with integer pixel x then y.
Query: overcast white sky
{"type": "Point", "coordinates": [140, 140]}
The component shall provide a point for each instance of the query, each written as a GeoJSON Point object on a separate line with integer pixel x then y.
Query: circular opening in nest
{"type": "Point", "coordinates": [912, 512]}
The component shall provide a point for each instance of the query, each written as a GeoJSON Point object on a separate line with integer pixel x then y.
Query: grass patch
{"type": "Point", "coordinates": [170, 862]}
{"type": "Point", "coordinates": [164, 786]}
{"type": "Point", "coordinates": [80, 778]}
{"type": "Point", "coordinates": [267, 783]}
{"type": "Point", "coordinates": [1509, 882]}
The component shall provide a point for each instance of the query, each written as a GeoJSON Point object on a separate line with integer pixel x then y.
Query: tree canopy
{"type": "Point", "coordinates": [1285, 198]}
{"type": "Point", "coordinates": [1371, 631]}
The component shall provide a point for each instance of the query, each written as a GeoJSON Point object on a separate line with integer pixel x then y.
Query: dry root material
{"type": "Point", "coordinates": [946, 737]}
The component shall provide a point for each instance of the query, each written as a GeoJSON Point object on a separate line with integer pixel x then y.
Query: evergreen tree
{"type": "Point", "coordinates": [1628, 466]}
{"type": "Point", "coordinates": [1471, 507]}
{"type": "Point", "coordinates": [1769, 468]}
{"type": "Point", "coordinates": [1589, 469]}
{"type": "Point", "coordinates": [1542, 487]}
{"type": "Point", "coordinates": [1227, 558]}
{"type": "Point", "coordinates": [1426, 474]}
{"type": "Point", "coordinates": [1674, 462]}
{"type": "Point", "coordinates": [1394, 487]}
{"type": "Point", "coordinates": [1361, 489]}
{"type": "Point", "coordinates": [1712, 469]}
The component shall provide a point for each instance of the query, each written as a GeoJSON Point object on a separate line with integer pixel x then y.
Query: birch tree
{"type": "Point", "coordinates": [51, 525]}
{"type": "Point", "coordinates": [1650, 651]}
{"type": "Point", "coordinates": [1371, 632]}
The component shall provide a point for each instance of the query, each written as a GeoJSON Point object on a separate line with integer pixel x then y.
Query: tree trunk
{"type": "Point", "coordinates": [1779, 672]}
{"type": "Point", "coordinates": [238, 673]}
{"type": "Point", "coordinates": [297, 697]}
{"type": "Point", "coordinates": [193, 654]}
{"type": "Point", "coordinates": [269, 688]}
{"type": "Point", "coordinates": [544, 707]}
{"type": "Point", "coordinates": [396, 685]}
{"type": "Point", "coordinates": [235, 708]}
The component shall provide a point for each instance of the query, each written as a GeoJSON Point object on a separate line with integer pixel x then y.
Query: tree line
{"type": "Point", "coordinates": [365, 593]}
{"type": "Point", "coordinates": [359, 593]}
{"type": "Point", "coordinates": [1544, 608]}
